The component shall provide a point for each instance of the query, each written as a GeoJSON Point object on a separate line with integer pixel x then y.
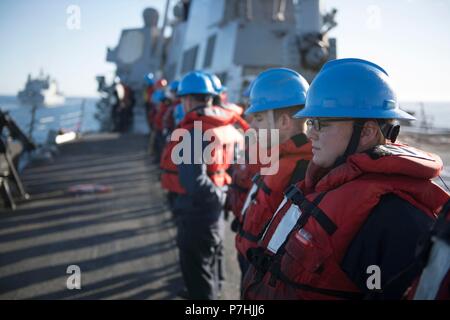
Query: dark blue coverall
{"type": "Point", "coordinates": [200, 224]}
{"type": "Point", "coordinates": [389, 240]}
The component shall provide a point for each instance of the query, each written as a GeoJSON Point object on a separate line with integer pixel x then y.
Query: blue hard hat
{"type": "Point", "coordinates": [276, 89]}
{"type": "Point", "coordinates": [178, 113]}
{"type": "Point", "coordinates": [247, 90]}
{"type": "Point", "coordinates": [217, 84]}
{"type": "Point", "coordinates": [352, 88]}
{"type": "Point", "coordinates": [158, 96]}
{"type": "Point", "coordinates": [174, 85]}
{"type": "Point", "coordinates": [150, 79]}
{"type": "Point", "coordinates": [195, 82]}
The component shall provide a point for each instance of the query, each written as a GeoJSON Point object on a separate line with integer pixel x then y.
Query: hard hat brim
{"type": "Point", "coordinates": [257, 108]}
{"type": "Point", "coordinates": [350, 113]}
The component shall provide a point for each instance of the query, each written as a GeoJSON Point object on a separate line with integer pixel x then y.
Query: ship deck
{"type": "Point", "coordinates": [122, 239]}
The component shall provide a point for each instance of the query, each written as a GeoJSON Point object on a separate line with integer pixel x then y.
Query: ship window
{"type": "Point", "coordinates": [209, 51]}
{"type": "Point", "coordinates": [189, 59]}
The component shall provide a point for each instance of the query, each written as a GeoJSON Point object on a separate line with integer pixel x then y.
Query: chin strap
{"type": "Point", "coordinates": [389, 131]}
{"type": "Point", "coordinates": [353, 143]}
{"type": "Point", "coordinates": [271, 119]}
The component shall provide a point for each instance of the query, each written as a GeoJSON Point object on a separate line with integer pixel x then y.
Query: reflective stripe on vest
{"type": "Point", "coordinates": [292, 216]}
{"type": "Point", "coordinates": [284, 228]}
{"type": "Point", "coordinates": [257, 184]}
{"type": "Point", "coordinates": [250, 196]}
{"type": "Point", "coordinates": [273, 217]}
{"type": "Point", "coordinates": [435, 271]}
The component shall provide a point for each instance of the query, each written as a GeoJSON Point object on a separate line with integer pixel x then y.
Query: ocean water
{"type": "Point", "coordinates": [68, 116]}
{"type": "Point", "coordinates": [435, 113]}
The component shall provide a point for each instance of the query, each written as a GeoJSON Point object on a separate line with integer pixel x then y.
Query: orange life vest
{"type": "Point", "coordinates": [241, 175]}
{"type": "Point", "coordinates": [234, 107]}
{"type": "Point", "coordinates": [159, 116]}
{"type": "Point", "coordinates": [168, 120]}
{"type": "Point", "coordinates": [222, 122]}
{"type": "Point", "coordinates": [304, 244]}
{"type": "Point", "coordinates": [267, 191]}
{"type": "Point", "coordinates": [148, 94]}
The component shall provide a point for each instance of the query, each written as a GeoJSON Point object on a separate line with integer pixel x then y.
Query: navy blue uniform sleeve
{"type": "Point", "coordinates": [388, 239]}
{"type": "Point", "coordinates": [195, 180]}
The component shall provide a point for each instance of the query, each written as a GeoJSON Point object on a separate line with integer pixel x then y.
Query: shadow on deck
{"type": "Point", "coordinates": [123, 239]}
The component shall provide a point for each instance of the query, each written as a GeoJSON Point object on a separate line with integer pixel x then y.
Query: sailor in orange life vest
{"type": "Point", "coordinates": [168, 120]}
{"type": "Point", "coordinates": [148, 92]}
{"type": "Point", "coordinates": [276, 95]}
{"type": "Point", "coordinates": [221, 96]}
{"type": "Point", "coordinates": [158, 123]}
{"type": "Point", "coordinates": [201, 186]}
{"type": "Point", "coordinates": [241, 174]}
{"type": "Point", "coordinates": [168, 123]}
{"type": "Point", "coordinates": [351, 226]}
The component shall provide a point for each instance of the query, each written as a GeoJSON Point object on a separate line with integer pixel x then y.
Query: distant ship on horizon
{"type": "Point", "coordinates": [41, 91]}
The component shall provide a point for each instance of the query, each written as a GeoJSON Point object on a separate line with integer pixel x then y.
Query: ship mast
{"type": "Point", "coordinates": [159, 51]}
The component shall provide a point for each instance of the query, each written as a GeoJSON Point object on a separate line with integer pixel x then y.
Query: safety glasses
{"type": "Point", "coordinates": [318, 124]}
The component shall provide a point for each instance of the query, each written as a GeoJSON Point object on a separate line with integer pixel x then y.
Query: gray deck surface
{"type": "Point", "coordinates": [123, 240]}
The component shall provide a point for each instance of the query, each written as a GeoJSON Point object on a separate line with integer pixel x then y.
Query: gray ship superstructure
{"type": "Point", "coordinates": [235, 39]}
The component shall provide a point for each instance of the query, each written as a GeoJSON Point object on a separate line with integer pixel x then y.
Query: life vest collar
{"type": "Point", "coordinates": [389, 159]}
{"type": "Point", "coordinates": [298, 143]}
{"type": "Point", "coordinates": [215, 116]}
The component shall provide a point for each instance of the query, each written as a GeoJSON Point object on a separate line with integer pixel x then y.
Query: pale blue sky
{"type": "Point", "coordinates": [409, 38]}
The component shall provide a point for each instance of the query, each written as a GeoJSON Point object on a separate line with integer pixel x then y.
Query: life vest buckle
{"type": "Point", "coordinates": [259, 259]}
{"type": "Point", "coordinates": [256, 177]}
{"type": "Point", "coordinates": [294, 194]}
